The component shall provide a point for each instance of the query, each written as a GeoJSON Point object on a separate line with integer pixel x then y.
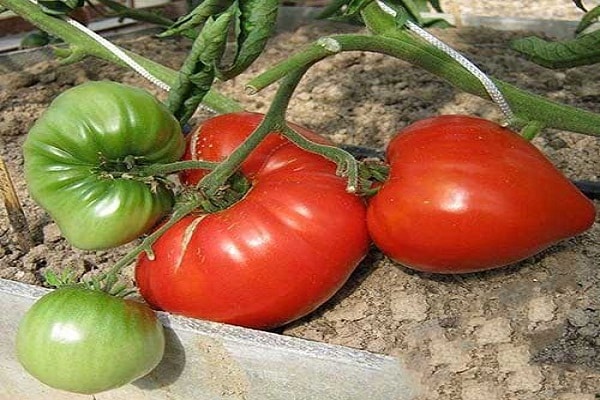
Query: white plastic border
{"type": "Point", "coordinates": [210, 361]}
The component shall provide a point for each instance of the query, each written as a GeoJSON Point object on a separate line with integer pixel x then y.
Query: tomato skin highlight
{"type": "Point", "coordinates": [274, 256]}
{"type": "Point", "coordinates": [465, 194]}
{"type": "Point", "coordinates": [77, 150]}
{"type": "Point", "coordinates": [86, 341]}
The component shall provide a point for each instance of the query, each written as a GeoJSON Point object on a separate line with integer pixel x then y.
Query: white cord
{"type": "Point", "coordinates": [123, 56]}
{"type": "Point", "coordinates": [490, 87]}
{"type": "Point", "coordinates": [120, 53]}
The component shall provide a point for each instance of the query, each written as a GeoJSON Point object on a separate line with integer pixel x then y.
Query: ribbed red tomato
{"type": "Point", "coordinates": [465, 194]}
{"type": "Point", "coordinates": [270, 258]}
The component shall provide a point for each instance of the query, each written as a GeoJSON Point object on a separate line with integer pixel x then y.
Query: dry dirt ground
{"type": "Point", "coordinates": [529, 331]}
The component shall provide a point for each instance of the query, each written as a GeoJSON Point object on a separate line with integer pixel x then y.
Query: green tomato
{"type": "Point", "coordinates": [87, 341]}
{"type": "Point", "coordinates": [82, 155]}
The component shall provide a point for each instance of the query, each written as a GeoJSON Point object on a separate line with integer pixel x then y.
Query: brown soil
{"type": "Point", "coordinates": [529, 331]}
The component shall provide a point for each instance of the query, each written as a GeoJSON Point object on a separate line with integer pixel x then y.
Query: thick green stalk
{"type": "Point", "coordinates": [82, 45]}
{"type": "Point", "coordinates": [274, 121]}
{"type": "Point", "coordinates": [390, 40]}
{"type": "Point", "coordinates": [527, 106]}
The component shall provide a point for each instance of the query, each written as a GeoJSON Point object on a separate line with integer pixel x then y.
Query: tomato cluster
{"type": "Point", "coordinates": [463, 194]}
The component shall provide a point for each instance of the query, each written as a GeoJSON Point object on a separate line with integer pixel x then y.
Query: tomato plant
{"type": "Point", "coordinates": [270, 258]}
{"type": "Point", "coordinates": [465, 194]}
{"type": "Point", "coordinates": [82, 157]}
{"type": "Point", "coordinates": [87, 341]}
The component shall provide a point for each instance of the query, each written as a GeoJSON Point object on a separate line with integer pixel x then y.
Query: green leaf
{"type": "Point", "coordinates": [348, 11]}
{"type": "Point", "coordinates": [197, 17]}
{"type": "Point", "coordinates": [256, 23]}
{"type": "Point", "coordinates": [344, 10]}
{"type": "Point", "coordinates": [35, 39]}
{"type": "Point", "coordinates": [588, 19]}
{"type": "Point", "coordinates": [199, 68]}
{"type": "Point", "coordinates": [584, 50]}
{"type": "Point", "coordinates": [413, 10]}
{"type": "Point", "coordinates": [332, 8]}
{"type": "Point", "coordinates": [59, 7]}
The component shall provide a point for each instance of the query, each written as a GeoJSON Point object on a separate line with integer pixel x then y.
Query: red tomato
{"type": "Point", "coordinates": [272, 257]}
{"type": "Point", "coordinates": [465, 194]}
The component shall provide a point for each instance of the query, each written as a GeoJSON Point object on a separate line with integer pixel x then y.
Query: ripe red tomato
{"type": "Point", "coordinates": [272, 257]}
{"type": "Point", "coordinates": [465, 194]}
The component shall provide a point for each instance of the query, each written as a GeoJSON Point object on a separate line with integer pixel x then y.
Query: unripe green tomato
{"type": "Point", "coordinates": [87, 341]}
{"type": "Point", "coordinates": [82, 157]}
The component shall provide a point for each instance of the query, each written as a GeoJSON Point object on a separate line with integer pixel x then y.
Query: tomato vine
{"type": "Point", "coordinates": [221, 186]}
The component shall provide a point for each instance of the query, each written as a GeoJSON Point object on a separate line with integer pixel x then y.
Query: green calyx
{"type": "Point", "coordinates": [106, 282]}
{"type": "Point", "coordinates": [226, 195]}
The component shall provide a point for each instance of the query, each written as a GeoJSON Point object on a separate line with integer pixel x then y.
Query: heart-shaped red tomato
{"type": "Point", "coordinates": [465, 194]}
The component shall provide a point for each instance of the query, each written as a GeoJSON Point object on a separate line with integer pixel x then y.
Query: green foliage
{"type": "Point", "coordinates": [60, 7]}
{"type": "Point", "coordinates": [256, 20]}
{"type": "Point", "coordinates": [349, 10]}
{"type": "Point", "coordinates": [67, 277]}
{"type": "Point", "coordinates": [590, 18]}
{"type": "Point", "coordinates": [210, 23]}
{"type": "Point", "coordinates": [189, 24]}
{"type": "Point", "coordinates": [35, 39]}
{"type": "Point", "coordinates": [199, 68]}
{"type": "Point", "coordinates": [583, 50]}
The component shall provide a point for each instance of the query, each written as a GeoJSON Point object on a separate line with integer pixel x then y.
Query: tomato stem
{"type": "Point", "coordinates": [347, 166]}
{"type": "Point", "coordinates": [182, 208]}
{"type": "Point", "coordinates": [399, 43]}
{"type": "Point", "coordinates": [274, 121]}
{"type": "Point", "coordinates": [166, 169]}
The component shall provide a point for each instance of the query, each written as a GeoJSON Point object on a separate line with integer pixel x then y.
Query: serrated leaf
{"type": "Point", "coordinates": [199, 68]}
{"type": "Point", "coordinates": [256, 23]}
{"type": "Point", "coordinates": [584, 50]}
{"type": "Point", "coordinates": [590, 18]}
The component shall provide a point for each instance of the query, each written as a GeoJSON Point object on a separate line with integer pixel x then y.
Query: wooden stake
{"type": "Point", "coordinates": [16, 216]}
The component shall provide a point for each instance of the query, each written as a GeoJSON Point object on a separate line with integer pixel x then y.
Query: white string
{"type": "Point", "coordinates": [123, 56]}
{"type": "Point", "coordinates": [490, 87]}
{"type": "Point", "coordinates": [120, 53]}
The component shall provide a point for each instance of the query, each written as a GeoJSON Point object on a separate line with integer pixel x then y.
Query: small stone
{"type": "Point", "coordinates": [578, 318]}
{"type": "Point", "coordinates": [408, 306]}
{"type": "Point", "coordinates": [541, 309]}
{"type": "Point", "coordinates": [9, 127]}
{"type": "Point", "coordinates": [353, 312]}
{"type": "Point", "coordinates": [521, 376]}
{"type": "Point", "coordinates": [497, 330]}
{"type": "Point", "coordinates": [453, 354]}
{"type": "Point", "coordinates": [52, 233]}
{"type": "Point", "coordinates": [473, 390]}
{"type": "Point", "coordinates": [35, 257]}
{"type": "Point", "coordinates": [48, 77]}
{"type": "Point", "coordinates": [17, 80]}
